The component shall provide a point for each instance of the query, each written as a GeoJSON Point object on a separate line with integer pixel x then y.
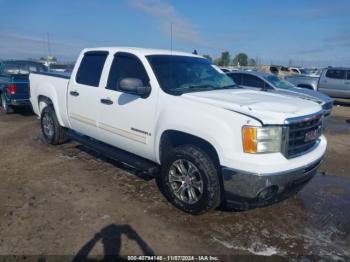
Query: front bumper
{"type": "Point", "coordinates": [20, 102]}
{"type": "Point", "coordinates": [247, 190]}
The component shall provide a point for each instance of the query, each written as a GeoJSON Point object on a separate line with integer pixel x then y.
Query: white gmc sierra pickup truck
{"type": "Point", "coordinates": [176, 115]}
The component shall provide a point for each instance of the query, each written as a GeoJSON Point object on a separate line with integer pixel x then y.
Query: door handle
{"type": "Point", "coordinates": [74, 93]}
{"type": "Point", "coordinates": [106, 101]}
{"type": "Point", "coordinates": [347, 83]}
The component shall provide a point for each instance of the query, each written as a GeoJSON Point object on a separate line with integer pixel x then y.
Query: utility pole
{"type": "Point", "coordinates": [48, 44]}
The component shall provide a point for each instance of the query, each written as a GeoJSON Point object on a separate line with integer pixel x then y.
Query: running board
{"type": "Point", "coordinates": [119, 155]}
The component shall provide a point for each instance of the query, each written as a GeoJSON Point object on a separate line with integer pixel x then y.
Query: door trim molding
{"type": "Point", "coordinates": [121, 132]}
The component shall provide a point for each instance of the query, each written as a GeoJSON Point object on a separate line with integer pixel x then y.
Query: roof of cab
{"type": "Point", "coordinates": [139, 51]}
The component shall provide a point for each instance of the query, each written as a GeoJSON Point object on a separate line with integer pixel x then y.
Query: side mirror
{"type": "Point", "coordinates": [134, 86]}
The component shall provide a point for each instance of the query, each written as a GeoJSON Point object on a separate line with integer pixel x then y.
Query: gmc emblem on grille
{"type": "Point", "coordinates": [313, 135]}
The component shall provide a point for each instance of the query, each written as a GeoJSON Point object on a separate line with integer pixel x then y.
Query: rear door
{"type": "Point", "coordinates": [126, 121]}
{"type": "Point", "coordinates": [334, 83]}
{"type": "Point", "coordinates": [83, 102]}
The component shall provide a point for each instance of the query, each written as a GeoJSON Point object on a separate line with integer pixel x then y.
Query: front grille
{"type": "Point", "coordinates": [303, 135]}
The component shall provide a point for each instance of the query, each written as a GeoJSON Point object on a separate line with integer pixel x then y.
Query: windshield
{"type": "Point", "coordinates": [278, 83]}
{"type": "Point", "coordinates": [183, 74]}
{"type": "Point", "coordinates": [23, 68]}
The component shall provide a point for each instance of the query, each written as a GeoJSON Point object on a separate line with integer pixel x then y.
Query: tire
{"type": "Point", "coordinates": [5, 107]}
{"type": "Point", "coordinates": [203, 172]}
{"type": "Point", "coordinates": [53, 133]}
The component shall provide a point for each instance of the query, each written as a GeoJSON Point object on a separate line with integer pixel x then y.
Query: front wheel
{"type": "Point", "coordinates": [5, 106]}
{"type": "Point", "coordinates": [190, 180]}
{"type": "Point", "coordinates": [53, 133]}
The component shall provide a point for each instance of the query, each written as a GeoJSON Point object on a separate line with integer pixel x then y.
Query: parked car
{"type": "Point", "coordinates": [225, 69]}
{"type": "Point", "coordinates": [304, 81]}
{"type": "Point", "coordinates": [271, 83]}
{"type": "Point", "coordinates": [14, 87]}
{"type": "Point", "coordinates": [177, 116]}
{"type": "Point", "coordinates": [305, 71]}
{"type": "Point", "coordinates": [54, 67]}
{"type": "Point", "coordinates": [296, 70]}
{"type": "Point", "coordinates": [335, 82]}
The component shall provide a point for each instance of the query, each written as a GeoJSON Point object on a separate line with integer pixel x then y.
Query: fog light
{"type": "Point", "coordinates": [268, 193]}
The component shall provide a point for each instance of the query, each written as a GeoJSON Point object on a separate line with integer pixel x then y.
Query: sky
{"type": "Point", "coordinates": [304, 33]}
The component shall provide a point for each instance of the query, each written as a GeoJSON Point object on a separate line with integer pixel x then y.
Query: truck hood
{"type": "Point", "coordinates": [269, 108]}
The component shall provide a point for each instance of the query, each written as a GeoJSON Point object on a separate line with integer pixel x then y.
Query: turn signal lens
{"type": "Point", "coordinates": [266, 139]}
{"type": "Point", "coordinates": [249, 139]}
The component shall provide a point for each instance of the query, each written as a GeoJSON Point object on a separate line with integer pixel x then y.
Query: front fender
{"type": "Point", "coordinates": [219, 127]}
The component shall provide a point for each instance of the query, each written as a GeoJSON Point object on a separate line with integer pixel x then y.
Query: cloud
{"type": "Point", "coordinates": [18, 46]}
{"type": "Point", "coordinates": [166, 14]}
{"type": "Point", "coordinates": [324, 11]}
{"type": "Point", "coordinates": [342, 38]}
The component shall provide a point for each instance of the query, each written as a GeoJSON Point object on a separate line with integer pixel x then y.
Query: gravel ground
{"type": "Point", "coordinates": [66, 200]}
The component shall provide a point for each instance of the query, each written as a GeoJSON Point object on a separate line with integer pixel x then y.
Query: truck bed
{"type": "Point", "coordinates": [65, 75]}
{"type": "Point", "coordinates": [53, 86]}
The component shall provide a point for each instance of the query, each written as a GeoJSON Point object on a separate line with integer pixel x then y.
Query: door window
{"type": "Point", "coordinates": [335, 73]}
{"type": "Point", "coordinates": [252, 81]}
{"type": "Point", "coordinates": [237, 78]}
{"type": "Point", "coordinates": [90, 69]}
{"type": "Point", "coordinates": [348, 73]}
{"type": "Point", "coordinates": [126, 65]}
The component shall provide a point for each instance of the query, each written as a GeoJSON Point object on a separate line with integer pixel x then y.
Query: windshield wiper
{"type": "Point", "coordinates": [201, 86]}
{"type": "Point", "coordinates": [229, 86]}
{"type": "Point", "coordinates": [194, 88]}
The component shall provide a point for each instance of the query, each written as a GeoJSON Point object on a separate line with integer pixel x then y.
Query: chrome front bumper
{"type": "Point", "coordinates": [247, 190]}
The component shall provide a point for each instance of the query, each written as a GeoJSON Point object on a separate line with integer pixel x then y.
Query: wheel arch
{"type": "Point", "coordinates": [172, 138]}
{"type": "Point", "coordinates": [44, 101]}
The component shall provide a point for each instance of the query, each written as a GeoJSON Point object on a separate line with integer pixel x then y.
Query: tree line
{"type": "Point", "coordinates": [241, 59]}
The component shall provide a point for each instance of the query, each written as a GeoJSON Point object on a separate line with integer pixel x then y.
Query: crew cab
{"type": "Point", "coordinates": [180, 118]}
{"type": "Point", "coordinates": [14, 86]}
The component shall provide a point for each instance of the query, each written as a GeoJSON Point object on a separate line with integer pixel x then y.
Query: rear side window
{"type": "Point", "coordinates": [252, 81]}
{"type": "Point", "coordinates": [237, 78]}
{"type": "Point", "coordinates": [126, 65]}
{"type": "Point", "coordinates": [337, 74]}
{"type": "Point", "coordinates": [90, 69]}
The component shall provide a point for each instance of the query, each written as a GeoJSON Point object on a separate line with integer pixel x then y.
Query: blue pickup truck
{"type": "Point", "coordinates": [14, 82]}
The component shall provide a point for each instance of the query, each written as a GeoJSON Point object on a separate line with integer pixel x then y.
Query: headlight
{"type": "Point", "coordinates": [262, 139]}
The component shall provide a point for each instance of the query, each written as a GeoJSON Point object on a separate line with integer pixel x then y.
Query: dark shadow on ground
{"type": "Point", "coordinates": [111, 237]}
{"type": "Point", "coordinates": [115, 163]}
{"type": "Point", "coordinates": [24, 111]}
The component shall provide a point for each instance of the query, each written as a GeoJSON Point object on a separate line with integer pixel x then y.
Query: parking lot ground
{"type": "Point", "coordinates": [66, 200]}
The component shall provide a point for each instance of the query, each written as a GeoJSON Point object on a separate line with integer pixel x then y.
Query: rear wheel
{"type": "Point", "coordinates": [190, 180]}
{"type": "Point", "coordinates": [53, 133]}
{"type": "Point", "coordinates": [5, 106]}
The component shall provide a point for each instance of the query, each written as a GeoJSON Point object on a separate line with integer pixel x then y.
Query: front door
{"type": "Point", "coordinates": [126, 120]}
